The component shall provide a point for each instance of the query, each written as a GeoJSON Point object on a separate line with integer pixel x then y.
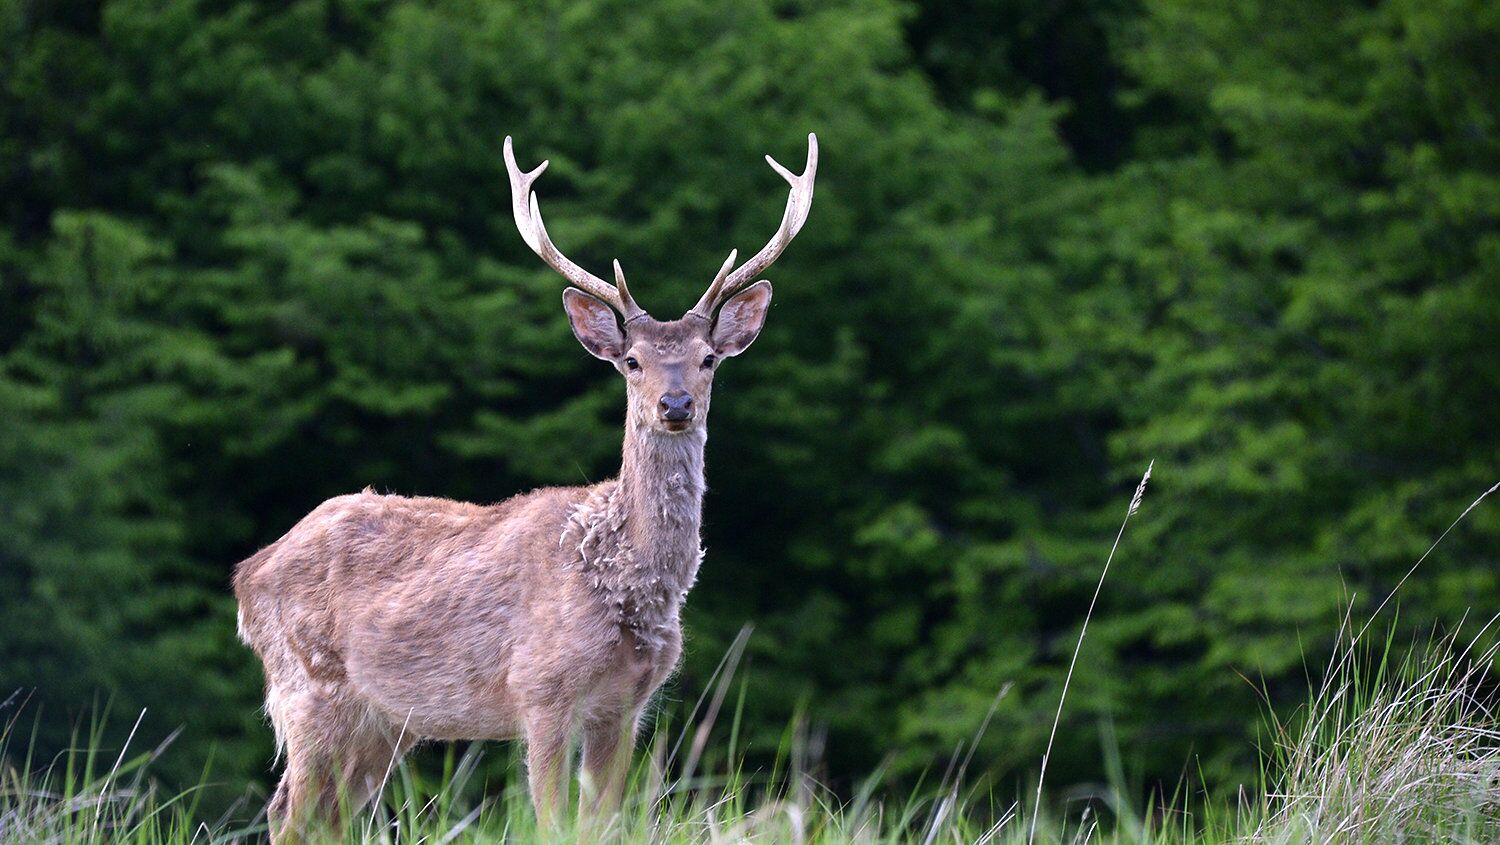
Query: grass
{"type": "Point", "coordinates": [1388, 750]}
{"type": "Point", "coordinates": [1392, 750]}
{"type": "Point", "coordinates": [1393, 746]}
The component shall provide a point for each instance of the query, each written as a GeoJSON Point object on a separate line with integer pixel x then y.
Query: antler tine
{"type": "Point", "coordinates": [631, 310]}
{"type": "Point", "coordinates": [798, 204]}
{"type": "Point", "coordinates": [528, 214]}
{"type": "Point", "coordinates": [715, 290]}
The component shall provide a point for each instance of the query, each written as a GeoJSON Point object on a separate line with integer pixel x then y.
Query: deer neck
{"type": "Point", "coordinates": [636, 538]}
{"type": "Point", "coordinates": [661, 489]}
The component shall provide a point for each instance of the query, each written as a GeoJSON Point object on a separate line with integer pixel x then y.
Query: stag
{"type": "Point", "coordinates": [383, 621]}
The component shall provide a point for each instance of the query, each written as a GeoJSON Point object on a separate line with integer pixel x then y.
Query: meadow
{"type": "Point", "coordinates": [1388, 750]}
{"type": "Point", "coordinates": [1398, 742]}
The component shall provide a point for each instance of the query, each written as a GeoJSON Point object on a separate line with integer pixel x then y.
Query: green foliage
{"type": "Point", "coordinates": [257, 254]}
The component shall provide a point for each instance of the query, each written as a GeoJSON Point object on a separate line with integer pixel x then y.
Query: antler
{"type": "Point", "coordinates": [534, 232]}
{"type": "Point", "coordinates": [798, 204]}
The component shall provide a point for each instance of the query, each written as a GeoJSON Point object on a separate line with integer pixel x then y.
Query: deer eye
{"type": "Point", "coordinates": [632, 364]}
{"type": "Point", "coordinates": [708, 361]}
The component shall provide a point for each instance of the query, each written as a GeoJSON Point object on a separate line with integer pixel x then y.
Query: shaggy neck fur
{"type": "Point", "coordinates": [637, 536]}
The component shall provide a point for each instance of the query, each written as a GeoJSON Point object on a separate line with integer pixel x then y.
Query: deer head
{"type": "Point", "coordinates": [668, 365]}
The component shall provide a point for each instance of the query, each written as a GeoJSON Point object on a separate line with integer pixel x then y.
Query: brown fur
{"type": "Point", "coordinates": [386, 620]}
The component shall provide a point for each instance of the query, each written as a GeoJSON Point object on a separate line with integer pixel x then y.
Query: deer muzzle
{"type": "Point", "coordinates": [676, 406]}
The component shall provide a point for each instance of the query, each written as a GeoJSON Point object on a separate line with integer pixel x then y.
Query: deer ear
{"type": "Point", "coordinates": [741, 318]}
{"type": "Point", "coordinates": [594, 325]}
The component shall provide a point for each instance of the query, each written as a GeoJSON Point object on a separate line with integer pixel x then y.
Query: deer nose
{"type": "Point", "coordinates": [676, 406]}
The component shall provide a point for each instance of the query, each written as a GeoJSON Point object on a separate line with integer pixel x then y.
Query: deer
{"type": "Point", "coordinates": [552, 617]}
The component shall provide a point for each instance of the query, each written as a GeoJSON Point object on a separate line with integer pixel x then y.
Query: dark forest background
{"type": "Point", "coordinates": [255, 254]}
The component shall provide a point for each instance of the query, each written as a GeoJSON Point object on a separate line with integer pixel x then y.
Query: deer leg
{"type": "Point", "coordinates": [366, 763]}
{"type": "Point", "coordinates": [546, 763]}
{"type": "Point", "coordinates": [608, 744]}
{"type": "Point", "coordinates": [298, 797]}
{"type": "Point", "coordinates": [333, 764]}
{"type": "Point", "coordinates": [278, 811]}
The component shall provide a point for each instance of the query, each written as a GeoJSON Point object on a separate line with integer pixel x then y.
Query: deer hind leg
{"type": "Point", "coordinates": [337, 760]}
{"type": "Point", "coordinates": [295, 806]}
{"type": "Point", "coordinates": [364, 764]}
{"type": "Point", "coordinates": [306, 781]}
